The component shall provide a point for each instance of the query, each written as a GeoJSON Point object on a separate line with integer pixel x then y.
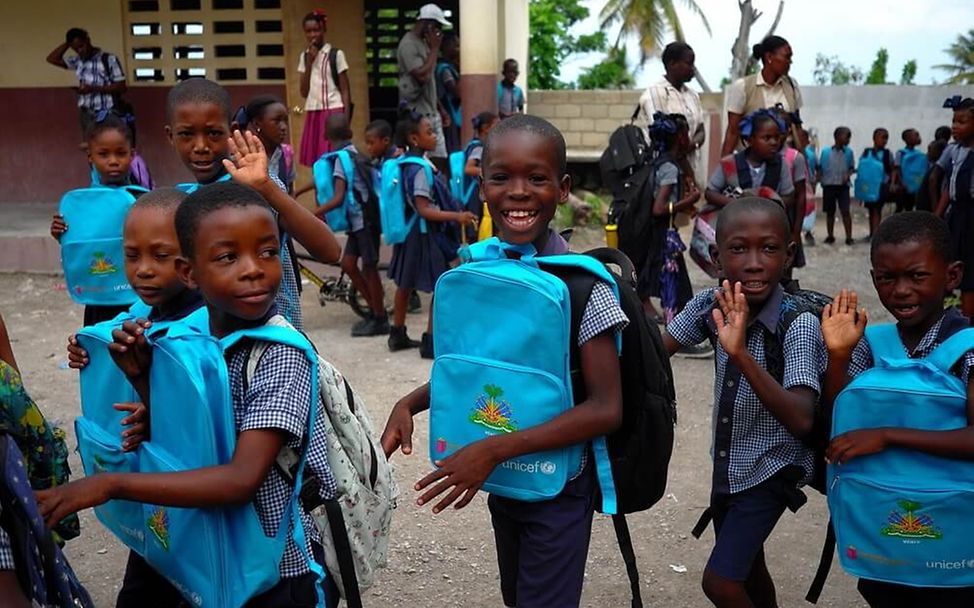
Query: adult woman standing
{"type": "Point", "coordinates": [765, 89]}
{"type": "Point", "coordinates": [324, 85]}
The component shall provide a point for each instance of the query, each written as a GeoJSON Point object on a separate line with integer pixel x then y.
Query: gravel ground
{"type": "Point", "coordinates": [449, 560]}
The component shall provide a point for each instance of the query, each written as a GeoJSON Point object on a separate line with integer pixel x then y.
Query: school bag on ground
{"type": "Point", "coordinates": [869, 177]}
{"type": "Point", "coordinates": [913, 167]}
{"type": "Point", "coordinates": [393, 199]}
{"type": "Point", "coordinates": [904, 516]}
{"type": "Point", "coordinates": [324, 174]}
{"type": "Point", "coordinates": [42, 572]}
{"type": "Point", "coordinates": [354, 525]}
{"type": "Point", "coordinates": [91, 249]}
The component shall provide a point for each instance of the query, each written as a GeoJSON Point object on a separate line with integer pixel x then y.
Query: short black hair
{"type": "Point", "coordinates": [160, 198]}
{"type": "Point", "coordinates": [906, 133]}
{"type": "Point", "coordinates": [207, 200]}
{"type": "Point", "coordinates": [483, 119]}
{"type": "Point", "coordinates": [768, 45]}
{"type": "Point", "coordinates": [752, 205]}
{"type": "Point", "coordinates": [380, 128]}
{"type": "Point", "coordinates": [675, 51]}
{"type": "Point", "coordinates": [75, 33]}
{"type": "Point", "coordinates": [942, 133]}
{"type": "Point", "coordinates": [110, 122]}
{"type": "Point", "coordinates": [530, 124]}
{"type": "Point", "coordinates": [879, 130]}
{"type": "Point", "coordinates": [197, 90]}
{"type": "Point", "coordinates": [255, 109]}
{"type": "Point", "coordinates": [507, 62]}
{"type": "Point", "coordinates": [966, 104]}
{"type": "Point", "coordinates": [914, 226]}
{"type": "Point", "coordinates": [337, 127]}
{"type": "Point", "coordinates": [408, 124]}
{"type": "Point", "coordinates": [840, 130]}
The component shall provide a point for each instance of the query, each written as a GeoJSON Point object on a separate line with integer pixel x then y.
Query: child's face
{"type": "Point", "coordinates": [485, 129]}
{"type": "Point", "coordinates": [199, 132]}
{"type": "Point", "coordinates": [913, 138]}
{"type": "Point", "coordinates": [273, 124]}
{"type": "Point", "coordinates": [843, 138]}
{"type": "Point", "coordinates": [911, 280]}
{"type": "Point", "coordinates": [425, 137]}
{"type": "Point", "coordinates": [510, 72]}
{"type": "Point", "coordinates": [522, 186]}
{"type": "Point", "coordinates": [766, 140]}
{"type": "Point", "coordinates": [754, 249]}
{"type": "Point", "coordinates": [151, 250]}
{"type": "Point", "coordinates": [236, 264]}
{"type": "Point", "coordinates": [314, 33]}
{"type": "Point", "coordinates": [111, 154]}
{"type": "Point", "coordinates": [683, 140]}
{"type": "Point", "coordinates": [962, 127]}
{"type": "Point", "coordinates": [376, 146]}
{"type": "Point", "coordinates": [880, 139]}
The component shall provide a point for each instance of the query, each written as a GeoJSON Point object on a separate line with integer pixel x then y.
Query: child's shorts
{"type": "Point", "coordinates": [542, 546]}
{"type": "Point", "coordinates": [744, 521]}
{"type": "Point", "coordinates": [890, 595]}
{"type": "Point", "coordinates": [363, 244]}
{"type": "Point", "coordinates": [835, 195]}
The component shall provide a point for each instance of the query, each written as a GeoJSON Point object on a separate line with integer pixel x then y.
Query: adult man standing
{"type": "Point", "coordinates": [417, 55]}
{"type": "Point", "coordinates": [100, 75]}
{"type": "Point", "coordinates": [671, 95]}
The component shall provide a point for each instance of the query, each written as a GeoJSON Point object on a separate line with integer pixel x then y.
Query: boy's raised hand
{"type": "Point", "coordinates": [842, 327]}
{"type": "Point", "coordinates": [249, 164]}
{"type": "Point", "coordinates": [136, 423]}
{"type": "Point", "coordinates": [462, 473]}
{"type": "Point", "coordinates": [130, 350]}
{"type": "Point", "coordinates": [731, 319]}
{"type": "Point", "coordinates": [77, 356]}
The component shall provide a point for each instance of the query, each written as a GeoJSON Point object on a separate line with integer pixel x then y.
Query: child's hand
{"type": "Point", "coordinates": [398, 432]}
{"type": "Point", "coordinates": [853, 444]}
{"type": "Point", "coordinates": [60, 501]}
{"type": "Point", "coordinates": [137, 422]}
{"type": "Point", "coordinates": [250, 158]}
{"type": "Point", "coordinates": [466, 217]}
{"type": "Point", "coordinates": [77, 356]}
{"type": "Point", "coordinates": [130, 350]}
{"type": "Point", "coordinates": [841, 328]}
{"type": "Point", "coordinates": [58, 227]}
{"type": "Point", "coordinates": [731, 319]}
{"type": "Point", "coordinates": [464, 471]}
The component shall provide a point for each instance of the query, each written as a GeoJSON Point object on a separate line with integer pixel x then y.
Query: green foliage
{"type": "Point", "coordinates": [647, 20]}
{"type": "Point", "coordinates": [598, 204]}
{"type": "Point", "coordinates": [829, 70]}
{"type": "Point", "coordinates": [909, 73]}
{"type": "Point", "coordinates": [550, 43]}
{"type": "Point", "coordinates": [877, 72]}
{"type": "Point", "coordinates": [611, 73]}
{"type": "Point", "coordinates": [961, 53]}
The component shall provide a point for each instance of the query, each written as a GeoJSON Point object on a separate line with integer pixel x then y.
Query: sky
{"type": "Point", "coordinates": [853, 30]}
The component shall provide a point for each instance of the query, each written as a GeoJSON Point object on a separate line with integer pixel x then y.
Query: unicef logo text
{"type": "Point", "coordinates": [544, 467]}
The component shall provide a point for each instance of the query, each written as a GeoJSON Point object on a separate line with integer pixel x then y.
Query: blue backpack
{"type": "Point", "coordinates": [393, 198]}
{"type": "Point", "coordinates": [913, 167]}
{"type": "Point", "coordinates": [462, 186]}
{"type": "Point", "coordinates": [324, 174]}
{"type": "Point", "coordinates": [904, 516]}
{"type": "Point", "coordinates": [486, 382]}
{"type": "Point", "coordinates": [191, 187]}
{"type": "Point", "coordinates": [91, 250]}
{"type": "Point", "coordinates": [869, 178]}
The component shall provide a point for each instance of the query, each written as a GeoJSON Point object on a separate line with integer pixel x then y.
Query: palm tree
{"type": "Point", "coordinates": [961, 52]}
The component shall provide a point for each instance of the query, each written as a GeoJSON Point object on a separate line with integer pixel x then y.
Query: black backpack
{"type": "Point", "coordinates": [639, 451]}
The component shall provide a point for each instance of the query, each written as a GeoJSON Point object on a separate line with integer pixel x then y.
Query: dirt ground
{"type": "Point", "coordinates": [449, 560]}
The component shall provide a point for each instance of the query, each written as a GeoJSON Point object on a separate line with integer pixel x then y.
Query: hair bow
{"type": "Point", "coordinates": [662, 126]}
{"type": "Point", "coordinates": [240, 117]}
{"type": "Point", "coordinates": [952, 102]}
{"type": "Point", "coordinates": [747, 123]}
{"type": "Point", "coordinates": [104, 113]}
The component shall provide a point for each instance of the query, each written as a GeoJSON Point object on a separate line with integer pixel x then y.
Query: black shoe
{"type": "Point", "coordinates": [398, 340]}
{"type": "Point", "coordinates": [426, 346]}
{"type": "Point", "coordinates": [362, 326]}
{"type": "Point", "coordinates": [381, 327]}
{"type": "Point", "coordinates": [809, 239]}
{"type": "Point", "coordinates": [829, 240]}
{"type": "Point", "coordinates": [850, 242]}
{"type": "Point", "coordinates": [371, 327]}
{"type": "Point", "coordinates": [703, 350]}
{"type": "Point", "coordinates": [414, 304]}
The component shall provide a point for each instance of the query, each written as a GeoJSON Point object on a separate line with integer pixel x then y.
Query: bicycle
{"type": "Point", "coordinates": [335, 289]}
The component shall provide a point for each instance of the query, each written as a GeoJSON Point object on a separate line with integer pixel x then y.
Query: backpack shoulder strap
{"type": "Point", "coordinates": [742, 170]}
{"type": "Point", "coordinates": [884, 342]}
{"type": "Point", "coordinates": [333, 64]}
{"type": "Point", "coordinates": [772, 173]}
{"type": "Point", "coordinates": [945, 356]}
{"type": "Point", "coordinates": [791, 95]}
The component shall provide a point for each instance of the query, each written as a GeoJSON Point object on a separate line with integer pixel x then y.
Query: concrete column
{"type": "Point", "coordinates": [514, 43]}
{"type": "Point", "coordinates": [479, 67]}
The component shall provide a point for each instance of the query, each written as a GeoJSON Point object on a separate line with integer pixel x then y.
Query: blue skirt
{"type": "Point", "coordinates": [420, 260]}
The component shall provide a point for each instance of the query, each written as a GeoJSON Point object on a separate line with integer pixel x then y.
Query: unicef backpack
{"type": "Point", "coordinates": [462, 186]}
{"type": "Point", "coordinates": [903, 516]}
{"type": "Point", "coordinates": [324, 174]}
{"type": "Point", "coordinates": [393, 198]}
{"type": "Point", "coordinates": [486, 382]}
{"type": "Point", "coordinates": [91, 249]}
{"type": "Point", "coordinates": [869, 178]}
{"type": "Point", "coordinates": [355, 525]}
{"type": "Point", "coordinates": [913, 167]}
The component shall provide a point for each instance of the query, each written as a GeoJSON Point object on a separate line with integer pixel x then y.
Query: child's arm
{"type": "Point", "coordinates": [432, 214]}
{"type": "Point", "coordinates": [56, 56]}
{"type": "Point", "coordinates": [798, 203]}
{"type": "Point", "coordinates": [58, 227]}
{"type": "Point", "coordinates": [335, 200]}
{"type": "Point", "coordinates": [251, 170]}
{"type": "Point", "coordinates": [843, 326]}
{"type": "Point", "coordinates": [661, 206]}
{"type": "Point", "coordinates": [716, 198]}
{"type": "Point", "coordinates": [463, 473]}
{"type": "Point", "coordinates": [794, 407]}
{"type": "Point", "coordinates": [942, 201]}
{"type": "Point", "coordinates": [472, 168]}
{"type": "Point", "coordinates": [714, 194]}
{"type": "Point", "coordinates": [345, 92]}
{"type": "Point", "coordinates": [935, 190]}
{"type": "Point", "coordinates": [133, 355]}
{"type": "Point", "coordinates": [304, 189]}
{"type": "Point", "coordinates": [399, 428]}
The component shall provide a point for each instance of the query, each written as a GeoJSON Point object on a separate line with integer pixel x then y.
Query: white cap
{"type": "Point", "coordinates": [433, 13]}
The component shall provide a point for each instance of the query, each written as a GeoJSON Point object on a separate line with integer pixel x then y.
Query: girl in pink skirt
{"type": "Point", "coordinates": [324, 85]}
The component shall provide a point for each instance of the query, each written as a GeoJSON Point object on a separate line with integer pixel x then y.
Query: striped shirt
{"type": "Point", "coordinates": [92, 72]}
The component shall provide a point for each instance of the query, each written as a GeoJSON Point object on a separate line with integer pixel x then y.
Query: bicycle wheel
{"type": "Point", "coordinates": [358, 303]}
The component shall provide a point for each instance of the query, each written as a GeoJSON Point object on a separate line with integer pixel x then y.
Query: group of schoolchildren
{"type": "Point", "coordinates": [219, 246]}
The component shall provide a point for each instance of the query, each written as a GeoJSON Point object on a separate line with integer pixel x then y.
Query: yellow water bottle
{"type": "Point", "coordinates": [612, 235]}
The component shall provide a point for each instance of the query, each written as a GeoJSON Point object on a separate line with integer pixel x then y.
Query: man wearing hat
{"type": "Point", "coordinates": [417, 55]}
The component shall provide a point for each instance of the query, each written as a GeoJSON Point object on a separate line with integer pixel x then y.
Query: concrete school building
{"type": "Point", "coordinates": [250, 47]}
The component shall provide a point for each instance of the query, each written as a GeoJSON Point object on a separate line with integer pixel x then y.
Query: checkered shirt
{"type": "Point", "coordinates": [92, 72]}
{"type": "Point", "coordinates": [951, 321]}
{"type": "Point", "coordinates": [6, 554]}
{"type": "Point", "coordinates": [288, 298]}
{"type": "Point", "coordinates": [278, 397]}
{"type": "Point", "coordinates": [749, 444]}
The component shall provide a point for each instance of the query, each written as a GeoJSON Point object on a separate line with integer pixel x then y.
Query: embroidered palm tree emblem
{"type": "Point", "coordinates": [101, 264]}
{"type": "Point", "coordinates": [493, 412]}
{"type": "Point", "coordinates": [910, 523]}
{"type": "Point", "coordinates": [159, 526]}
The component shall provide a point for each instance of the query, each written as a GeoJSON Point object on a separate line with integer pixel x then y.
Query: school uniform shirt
{"type": "Point", "coordinates": [666, 98]}
{"type": "Point", "coordinates": [92, 72]}
{"type": "Point", "coordinates": [768, 94]}
{"type": "Point", "coordinates": [476, 153]}
{"type": "Point", "coordinates": [953, 157]}
{"type": "Point", "coordinates": [667, 174]}
{"type": "Point", "coordinates": [323, 91]}
{"type": "Point", "coordinates": [288, 298]}
{"type": "Point", "coordinates": [510, 99]}
{"type": "Point", "coordinates": [836, 172]}
{"type": "Point", "coordinates": [278, 397]}
{"type": "Point", "coordinates": [6, 553]}
{"type": "Point", "coordinates": [356, 220]}
{"type": "Point", "coordinates": [951, 322]}
{"type": "Point", "coordinates": [718, 181]}
{"type": "Point", "coordinates": [799, 170]}
{"type": "Point", "coordinates": [749, 444]}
